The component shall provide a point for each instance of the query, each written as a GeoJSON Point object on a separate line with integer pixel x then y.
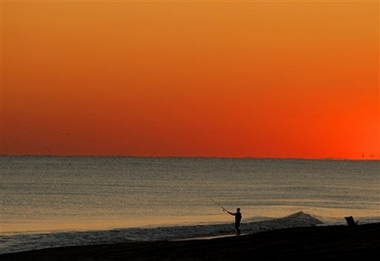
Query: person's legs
{"type": "Point", "coordinates": [237, 225]}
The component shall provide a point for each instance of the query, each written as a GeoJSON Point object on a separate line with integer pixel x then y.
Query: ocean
{"type": "Point", "coordinates": [52, 201]}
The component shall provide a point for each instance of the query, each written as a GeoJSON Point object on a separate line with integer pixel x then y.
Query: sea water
{"type": "Point", "coordinates": [50, 201]}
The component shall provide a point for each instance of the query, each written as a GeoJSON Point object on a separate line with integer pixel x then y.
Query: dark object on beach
{"type": "Point", "coordinates": [238, 217]}
{"type": "Point", "coordinates": [350, 221]}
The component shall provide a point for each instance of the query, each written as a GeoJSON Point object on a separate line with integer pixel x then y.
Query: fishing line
{"type": "Point", "coordinates": [216, 203]}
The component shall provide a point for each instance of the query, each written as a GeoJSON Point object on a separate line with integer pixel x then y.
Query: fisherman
{"type": "Point", "coordinates": [238, 217]}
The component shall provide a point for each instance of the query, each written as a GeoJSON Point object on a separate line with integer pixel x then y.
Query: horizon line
{"type": "Point", "coordinates": [194, 157]}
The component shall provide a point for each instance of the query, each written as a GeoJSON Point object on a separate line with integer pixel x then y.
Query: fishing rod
{"type": "Point", "coordinates": [217, 203]}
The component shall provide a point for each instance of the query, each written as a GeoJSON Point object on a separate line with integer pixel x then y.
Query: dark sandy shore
{"type": "Point", "coordinates": [360, 242]}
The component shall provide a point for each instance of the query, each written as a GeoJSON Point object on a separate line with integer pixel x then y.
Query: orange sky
{"type": "Point", "coordinates": [217, 79]}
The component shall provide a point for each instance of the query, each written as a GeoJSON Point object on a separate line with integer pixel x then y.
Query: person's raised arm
{"type": "Point", "coordinates": [225, 210]}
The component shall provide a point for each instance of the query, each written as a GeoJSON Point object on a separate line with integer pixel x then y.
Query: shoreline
{"type": "Point", "coordinates": [299, 243]}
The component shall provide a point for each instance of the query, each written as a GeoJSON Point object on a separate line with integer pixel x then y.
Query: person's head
{"type": "Point", "coordinates": [238, 209]}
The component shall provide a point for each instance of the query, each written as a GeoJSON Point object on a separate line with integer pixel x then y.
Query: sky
{"type": "Point", "coordinates": [262, 79]}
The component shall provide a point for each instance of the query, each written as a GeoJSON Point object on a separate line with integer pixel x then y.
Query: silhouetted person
{"type": "Point", "coordinates": [238, 217]}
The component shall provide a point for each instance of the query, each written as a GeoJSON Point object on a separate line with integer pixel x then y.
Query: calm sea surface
{"type": "Point", "coordinates": [63, 195]}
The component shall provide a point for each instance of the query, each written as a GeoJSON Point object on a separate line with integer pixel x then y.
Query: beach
{"type": "Point", "coordinates": [359, 242]}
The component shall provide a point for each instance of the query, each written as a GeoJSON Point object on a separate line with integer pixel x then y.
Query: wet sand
{"type": "Point", "coordinates": [360, 242]}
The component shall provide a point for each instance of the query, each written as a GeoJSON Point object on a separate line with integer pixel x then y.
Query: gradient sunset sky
{"type": "Point", "coordinates": [273, 79]}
